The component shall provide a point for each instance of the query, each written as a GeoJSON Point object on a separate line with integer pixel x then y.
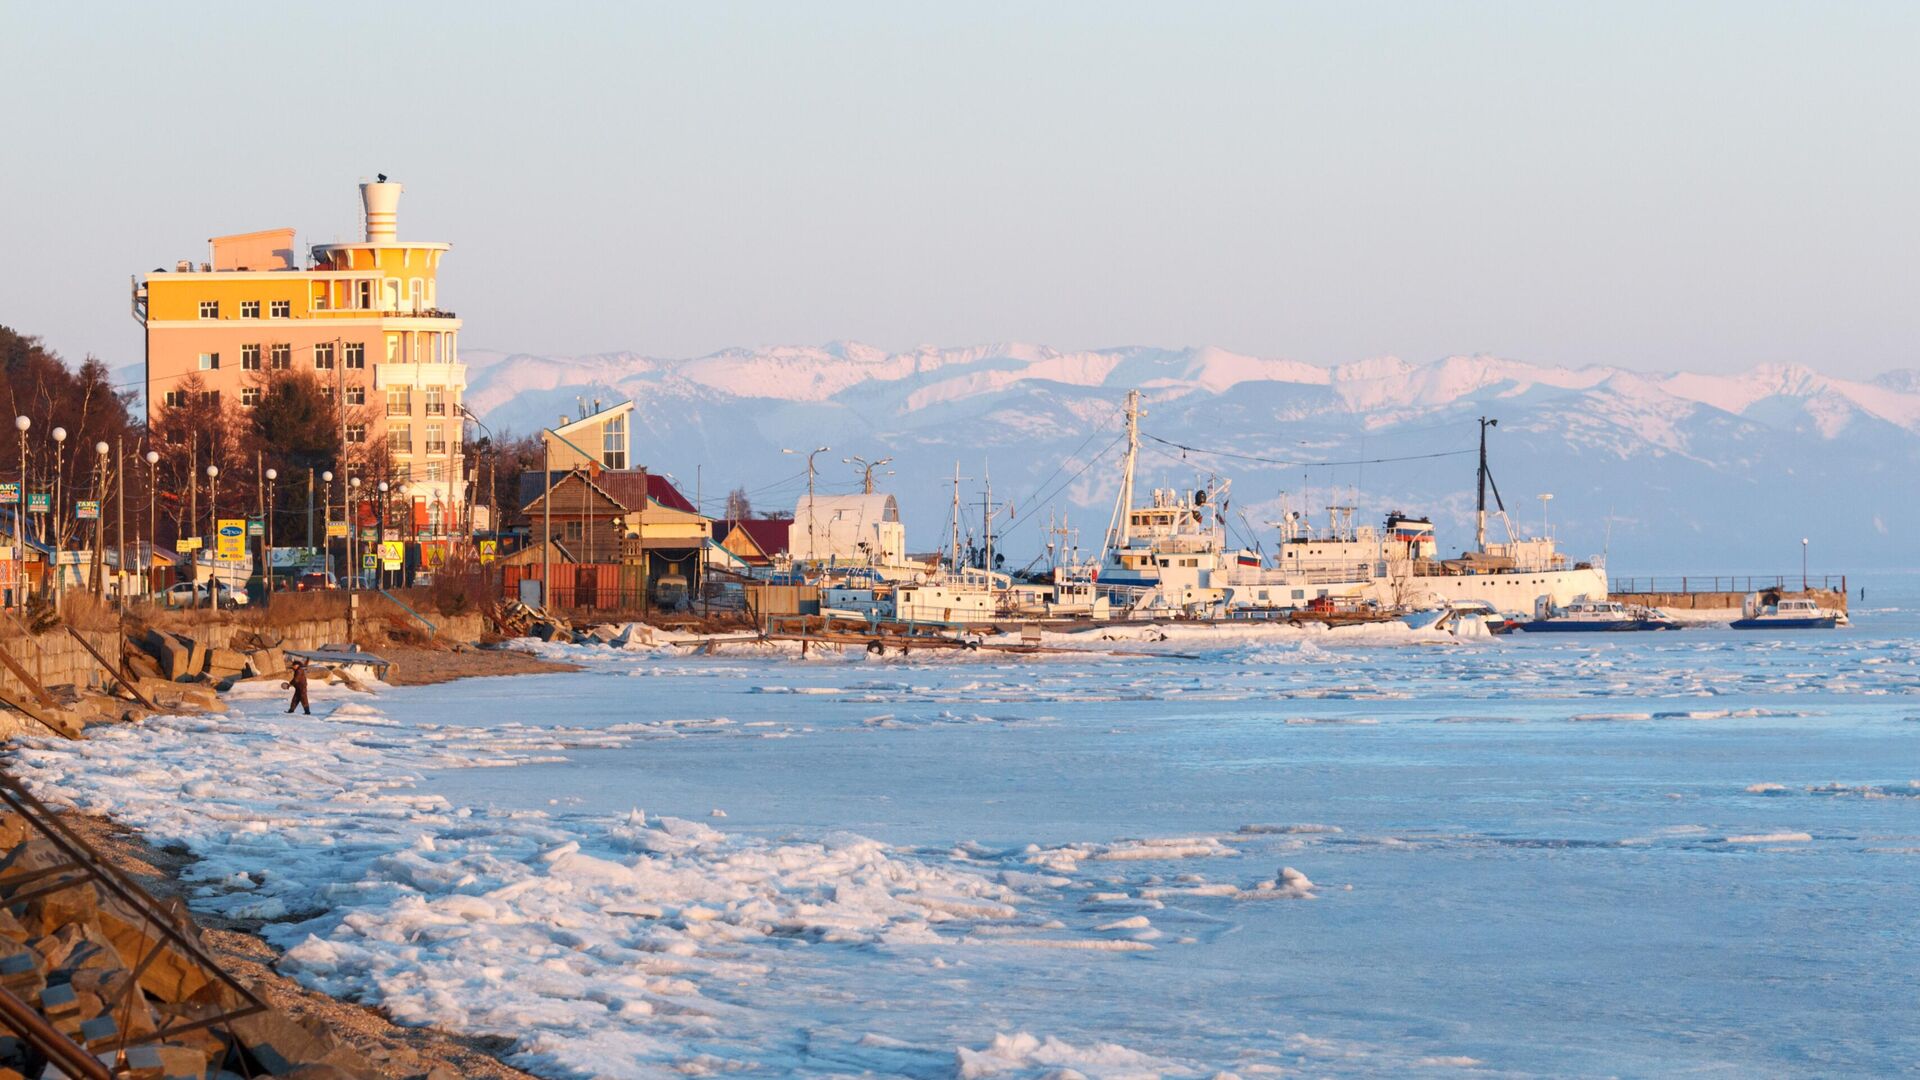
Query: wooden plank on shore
{"type": "Point", "coordinates": [117, 677]}
{"type": "Point", "coordinates": [22, 707]}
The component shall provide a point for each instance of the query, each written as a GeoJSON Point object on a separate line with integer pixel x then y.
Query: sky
{"type": "Point", "coordinates": [1698, 186]}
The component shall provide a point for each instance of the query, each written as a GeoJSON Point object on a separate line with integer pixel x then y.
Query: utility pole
{"type": "Point", "coordinates": [99, 567]}
{"type": "Point", "coordinates": [309, 506]}
{"type": "Point", "coordinates": [266, 555]}
{"type": "Point", "coordinates": [213, 528]}
{"type": "Point", "coordinates": [867, 467]}
{"type": "Point", "coordinates": [813, 551]}
{"type": "Point", "coordinates": [193, 506]}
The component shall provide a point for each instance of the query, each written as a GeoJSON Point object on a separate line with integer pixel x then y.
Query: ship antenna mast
{"type": "Point", "coordinates": [1119, 530]}
{"type": "Point", "coordinates": [1485, 481]}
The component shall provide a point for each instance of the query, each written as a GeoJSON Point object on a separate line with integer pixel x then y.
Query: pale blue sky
{"type": "Point", "coordinates": [1694, 185]}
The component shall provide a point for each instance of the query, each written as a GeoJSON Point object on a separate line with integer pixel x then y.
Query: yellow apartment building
{"type": "Point", "coordinates": [365, 318]}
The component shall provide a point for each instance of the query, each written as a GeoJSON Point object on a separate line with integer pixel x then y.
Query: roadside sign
{"type": "Point", "coordinates": [87, 510]}
{"type": "Point", "coordinates": [186, 544]}
{"type": "Point", "coordinates": [489, 551]}
{"type": "Point", "coordinates": [393, 554]}
{"type": "Point", "coordinates": [255, 527]}
{"type": "Point", "coordinates": [336, 529]}
{"type": "Point", "coordinates": [39, 502]}
{"type": "Point", "coordinates": [9, 492]}
{"type": "Point", "coordinates": [369, 562]}
{"type": "Point", "coordinates": [230, 539]}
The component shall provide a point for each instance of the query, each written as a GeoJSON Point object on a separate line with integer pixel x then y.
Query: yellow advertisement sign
{"type": "Point", "coordinates": [230, 540]}
{"type": "Point", "coordinates": [336, 529]}
{"type": "Point", "coordinates": [393, 554]}
{"type": "Point", "coordinates": [186, 544]}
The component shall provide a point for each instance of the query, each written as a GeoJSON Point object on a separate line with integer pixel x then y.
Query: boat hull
{"type": "Point", "coordinates": [1609, 626]}
{"type": "Point", "coordinates": [1816, 622]}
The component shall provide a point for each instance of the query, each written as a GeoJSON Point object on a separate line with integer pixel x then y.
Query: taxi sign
{"type": "Point", "coordinates": [9, 491]}
{"type": "Point", "coordinates": [87, 510]}
{"type": "Point", "coordinates": [336, 528]}
{"type": "Point", "coordinates": [230, 539]}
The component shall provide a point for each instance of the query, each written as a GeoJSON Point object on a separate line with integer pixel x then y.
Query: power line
{"type": "Point", "coordinates": [1307, 464]}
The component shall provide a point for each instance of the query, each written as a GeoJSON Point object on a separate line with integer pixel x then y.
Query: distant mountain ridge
{"type": "Point", "coordinates": [1678, 471]}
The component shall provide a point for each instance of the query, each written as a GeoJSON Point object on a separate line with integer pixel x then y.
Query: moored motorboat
{"type": "Point", "coordinates": [1597, 616]}
{"type": "Point", "coordinates": [1799, 613]}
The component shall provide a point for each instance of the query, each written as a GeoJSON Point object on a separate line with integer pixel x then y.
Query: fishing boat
{"type": "Point", "coordinates": [1172, 555]}
{"type": "Point", "coordinates": [1798, 613]}
{"type": "Point", "coordinates": [1596, 616]}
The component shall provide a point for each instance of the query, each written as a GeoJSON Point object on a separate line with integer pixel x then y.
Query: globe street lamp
{"type": "Point", "coordinates": [213, 521]}
{"type": "Point", "coordinates": [53, 515]}
{"type": "Point", "coordinates": [383, 534]}
{"type": "Point", "coordinates": [267, 559]}
{"type": "Point", "coordinates": [100, 450]}
{"type": "Point", "coordinates": [353, 536]}
{"type": "Point", "coordinates": [153, 519]}
{"type": "Point", "coordinates": [326, 516]}
{"type": "Point", "coordinates": [20, 519]}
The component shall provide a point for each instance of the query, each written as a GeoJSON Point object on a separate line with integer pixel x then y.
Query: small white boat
{"type": "Point", "coordinates": [1597, 616]}
{"type": "Point", "coordinates": [1798, 613]}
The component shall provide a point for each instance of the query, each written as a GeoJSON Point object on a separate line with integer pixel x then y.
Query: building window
{"type": "Point", "coordinates": [418, 292]}
{"type": "Point", "coordinates": [436, 439]}
{"type": "Point", "coordinates": [209, 361]}
{"type": "Point", "coordinates": [209, 309]}
{"type": "Point", "coordinates": [613, 443]}
{"type": "Point", "coordinates": [323, 356]}
{"type": "Point", "coordinates": [176, 397]}
{"type": "Point", "coordinates": [399, 401]}
{"type": "Point", "coordinates": [433, 471]}
{"type": "Point", "coordinates": [436, 401]}
{"type": "Point", "coordinates": [356, 354]}
{"type": "Point", "coordinates": [249, 309]}
{"type": "Point", "coordinates": [356, 395]}
{"type": "Point", "coordinates": [249, 358]}
{"type": "Point", "coordinates": [281, 309]}
{"type": "Point", "coordinates": [281, 357]}
{"type": "Point", "coordinates": [363, 293]}
{"type": "Point", "coordinates": [211, 397]}
{"type": "Point", "coordinates": [576, 530]}
{"type": "Point", "coordinates": [356, 433]}
{"type": "Point", "coordinates": [400, 438]}
{"type": "Point", "coordinates": [327, 391]}
{"type": "Point", "coordinates": [249, 395]}
{"type": "Point", "coordinates": [393, 348]}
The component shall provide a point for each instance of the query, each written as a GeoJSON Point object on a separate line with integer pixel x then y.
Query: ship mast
{"type": "Point", "coordinates": [1122, 532]}
{"type": "Point", "coordinates": [1485, 481]}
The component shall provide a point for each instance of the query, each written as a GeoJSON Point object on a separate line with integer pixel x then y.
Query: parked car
{"type": "Point", "coordinates": [318, 579]}
{"type": "Point", "coordinates": [190, 594]}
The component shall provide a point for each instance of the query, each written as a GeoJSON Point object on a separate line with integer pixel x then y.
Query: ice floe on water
{"type": "Point", "coordinates": [1230, 852]}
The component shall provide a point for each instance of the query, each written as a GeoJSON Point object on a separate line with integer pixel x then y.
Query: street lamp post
{"type": "Point", "coordinates": [153, 516]}
{"type": "Point", "coordinates": [811, 552]}
{"type": "Point", "coordinates": [1546, 529]}
{"type": "Point", "coordinates": [266, 563]}
{"type": "Point", "coordinates": [20, 520]}
{"type": "Point", "coordinates": [53, 515]}
{"type": "Point", "coordinates": [326, 516]}
{"type": "Point", "coordinates": [866, 468]}
{"type": "Point", "coordinates": [213, 530]}
{"type": "Point", "coordinates": [353, 535]}
{"type": "Point", "coordinates": [383, 533]}
{"type": "Point", "coordinates": [100, 450]}
{"type": "Point", "coordinates": [1803, 564]}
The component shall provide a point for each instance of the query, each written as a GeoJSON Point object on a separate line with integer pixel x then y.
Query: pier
{"type": "Point", "coordinates": [1701, 592]}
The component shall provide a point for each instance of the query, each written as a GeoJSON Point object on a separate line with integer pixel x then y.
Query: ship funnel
{"type": "Point", "coordinates": [382, 203]}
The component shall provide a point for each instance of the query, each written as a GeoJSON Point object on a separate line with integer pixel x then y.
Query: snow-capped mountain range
{"type": "Point", "coordinates": [1670, 472]}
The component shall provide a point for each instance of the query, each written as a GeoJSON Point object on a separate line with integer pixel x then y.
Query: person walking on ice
{"type": "Point", "coordinates": [298, 680]}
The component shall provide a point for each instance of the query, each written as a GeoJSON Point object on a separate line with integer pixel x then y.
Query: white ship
{"type": "Point", "coordinates": [1171, 556]}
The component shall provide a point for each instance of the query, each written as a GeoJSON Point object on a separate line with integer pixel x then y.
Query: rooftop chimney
{"type": "Point", "coordinates": [382, 202]}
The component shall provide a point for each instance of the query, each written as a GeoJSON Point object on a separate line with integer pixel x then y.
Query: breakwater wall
{"type": "Point", "coordinates": [1831, 599]}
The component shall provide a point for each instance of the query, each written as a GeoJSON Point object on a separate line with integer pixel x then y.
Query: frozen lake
{"type": "Point", "coordinates": [1693, 852]}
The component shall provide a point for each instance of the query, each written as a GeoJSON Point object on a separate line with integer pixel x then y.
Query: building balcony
{"type": "Point", "coordinates": [399, 410]}
{"type": "Point", "coordinates": [436, 446]}
{"type": "Point", "coordinates": [436, 408]}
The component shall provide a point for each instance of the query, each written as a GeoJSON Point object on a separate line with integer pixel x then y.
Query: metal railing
{"type": "Point", "coordinates": [1730, 583]}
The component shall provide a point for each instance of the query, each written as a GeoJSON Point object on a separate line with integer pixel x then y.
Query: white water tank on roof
{"type": "Point", "coordinates": [381, 200]}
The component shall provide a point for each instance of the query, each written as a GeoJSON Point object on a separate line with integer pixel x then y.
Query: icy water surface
{"type": "Point", "coordinates": [1693, 852]}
